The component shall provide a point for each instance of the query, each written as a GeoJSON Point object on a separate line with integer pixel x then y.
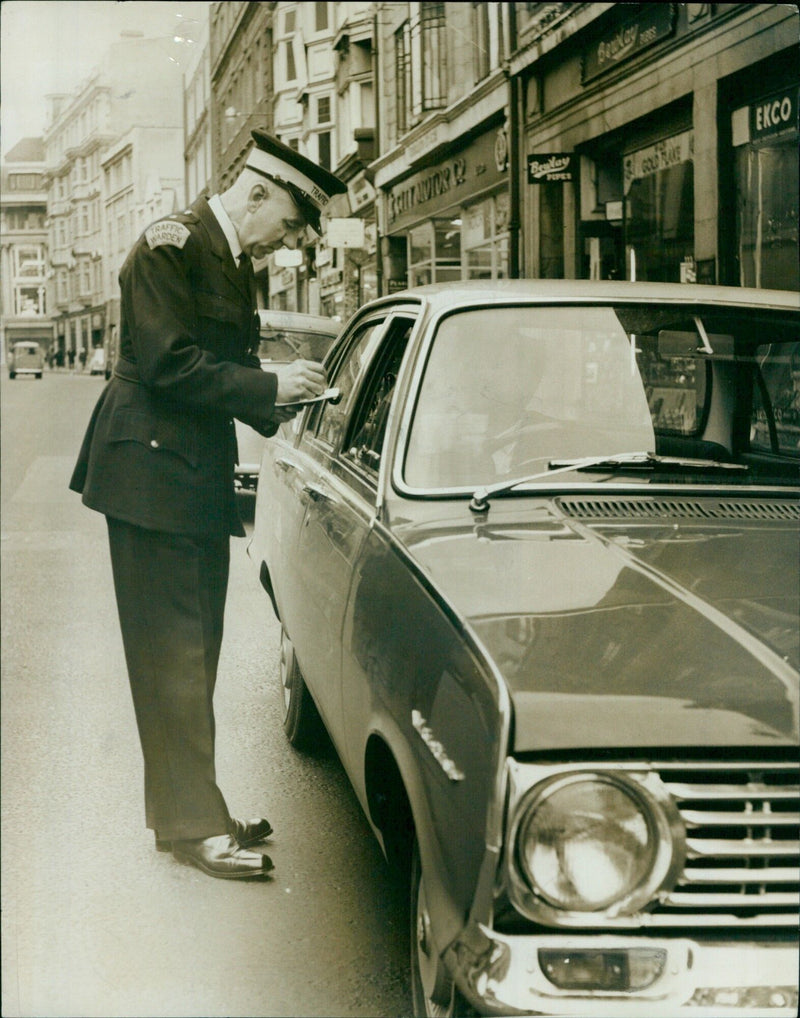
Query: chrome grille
{"type": "Point", "coordinates": [742, 845]}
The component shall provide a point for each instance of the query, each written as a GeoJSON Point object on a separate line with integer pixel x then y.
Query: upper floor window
{"type": "Point", "coordinates": [480, 39]}
{"type": "Point", "coordinates": [324, 109]}
{"type": "Point", "coordinates": [324, 147]}
{"type": "Point", "coordinates": [24, 182]}
{"type": "Point", "coordinates": [291, 69]}
{"type": "Point", "coordinates": [420, 71]}
{"type": "Point", "coordinates": [289, 20]}
{"type": "Point", "coordinates": [320, 17]}
{"type": "Point", "coordinates": [29, 262]}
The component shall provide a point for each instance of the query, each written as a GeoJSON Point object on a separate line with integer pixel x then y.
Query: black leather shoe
{"type": "Point", "coordinates": [246, 832]}
{"type": "Point", "coordinates": [249, 832]}
{"type": "Point", "coordinates": [220, 856]}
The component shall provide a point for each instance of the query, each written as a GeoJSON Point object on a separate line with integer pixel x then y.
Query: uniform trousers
{"type": "Point", "coordinates": [170, 591]}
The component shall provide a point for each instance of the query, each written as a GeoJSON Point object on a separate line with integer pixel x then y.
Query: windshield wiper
{"type": "Point", "coordinates": [616, 461]}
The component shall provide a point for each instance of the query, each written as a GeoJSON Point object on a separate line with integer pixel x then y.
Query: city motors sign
{"type": "Point", "coordinates": [473, 169]}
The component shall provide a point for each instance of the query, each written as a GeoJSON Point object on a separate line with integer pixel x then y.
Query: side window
{"type": "Point", "coordinates": [368, 429]}
{"type": "Point", "coordinates": [775, 421]}
{"type": "Point", "coordinates": [328, 420]}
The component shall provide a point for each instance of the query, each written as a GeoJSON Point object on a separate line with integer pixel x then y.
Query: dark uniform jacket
{"type": "Point", "coordinates": [160, 448]}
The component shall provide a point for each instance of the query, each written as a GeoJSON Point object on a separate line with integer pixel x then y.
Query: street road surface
{"type": "Point", "coordinates": [94, 921]}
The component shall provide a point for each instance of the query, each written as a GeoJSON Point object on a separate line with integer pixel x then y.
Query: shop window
{"type": "Point", "coordinates": [434, 252]}
{"type": "Point", "coordinates": [551, 230]}
{"type": "Point", "coordinates": [767, 215]}
{"type": "Point", "coordinates": [484, 239]}
{"type": "Point", "coordinates": [659, 210]}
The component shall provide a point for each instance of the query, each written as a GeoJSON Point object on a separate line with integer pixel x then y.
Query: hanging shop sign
{"type": "Point", "coordinates": [653, 23]}
{"type": "Point", "coordinates": [469, 171]}
{"type": "Point", "coordinates": [554, 167]}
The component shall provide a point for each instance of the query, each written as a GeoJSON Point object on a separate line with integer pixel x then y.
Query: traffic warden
{"type": "Point", "coordinates": [158, 460]}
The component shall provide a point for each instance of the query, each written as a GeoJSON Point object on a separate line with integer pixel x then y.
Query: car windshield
{"type": "Point", "coordinates": [514, 391]}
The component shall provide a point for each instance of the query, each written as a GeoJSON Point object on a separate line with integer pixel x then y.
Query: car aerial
{"type": "Point", "coordinates": [285, 336]}
{"type": "Point", "coordinates": [536, 572]}
{"type": "Point", "coordinates": [25, 358]}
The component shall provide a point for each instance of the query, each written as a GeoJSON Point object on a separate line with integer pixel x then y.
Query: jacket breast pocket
{"type": "Point", "coordinates": [219, 308]}
{"type": "Point", "coordinates": [159, 434]}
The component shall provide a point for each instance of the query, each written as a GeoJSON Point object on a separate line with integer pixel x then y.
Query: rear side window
{"type": "Point", "coordinates": [775, 418]}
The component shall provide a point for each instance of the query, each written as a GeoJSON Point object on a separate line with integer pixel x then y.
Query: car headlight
{"type": "Point", "coordinates": [590, 843]}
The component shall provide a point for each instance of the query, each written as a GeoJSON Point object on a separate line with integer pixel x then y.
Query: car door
{"type": "Point", "coordinates": [344, 441]}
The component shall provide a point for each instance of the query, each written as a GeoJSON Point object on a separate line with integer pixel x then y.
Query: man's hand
{"type": "Point", "coordinates": [299, 380]}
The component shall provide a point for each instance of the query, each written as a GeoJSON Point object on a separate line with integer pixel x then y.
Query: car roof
{"type": "Point", "coordinates": [298, 321]}
{"type": "Point", "coordinates": [442, 296]}
{"type": "Point", "coordinates": [26, 343]}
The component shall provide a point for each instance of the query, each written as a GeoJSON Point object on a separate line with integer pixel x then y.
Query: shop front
{"type": "Point", "coordinates": [645, 163]}
{"type": "Point", "coordinates": [449, 221]}
{"type": "Point", "coordinates": [759, 114]}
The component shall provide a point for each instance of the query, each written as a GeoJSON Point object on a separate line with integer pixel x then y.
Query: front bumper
{"type": "Point", "coordinates": [502, 975]}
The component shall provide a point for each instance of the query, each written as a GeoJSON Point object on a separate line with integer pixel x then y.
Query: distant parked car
{"type": "Point", "coordinates": [25, 358]}
{"type": "Point", "coordinates": [537, 574]}
{"type": "Point", "coordinates": [285, 336]}
{"type": "Point", "coordinates": [97, 362]}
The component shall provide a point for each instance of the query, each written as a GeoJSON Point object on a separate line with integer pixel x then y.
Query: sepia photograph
{"type": "Point", "coordinates": [399, 509]}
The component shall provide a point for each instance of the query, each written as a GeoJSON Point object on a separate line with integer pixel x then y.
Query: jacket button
{"type": "Point", "coordinates": [154, 443]}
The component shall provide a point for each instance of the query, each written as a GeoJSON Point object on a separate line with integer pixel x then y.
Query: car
{"type": "Point", "coordinates": [536, 575]}
{"type": "Point", "coordinates": [97, 362]}
{"type": "Point", "coordinates": [26, 357]}
{"type": "Point", "coordinates": [285, 336]}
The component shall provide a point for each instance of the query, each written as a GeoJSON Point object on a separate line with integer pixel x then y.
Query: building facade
{"type": "Point", "coordinates": [135, 84]}
{"type": "Point", "coordinates": [142, 180]}
{"type": "Point", "coordinates": [197, 139]}
{"type": "Point", "coordinates": [658, 141]}
{"type": "Point", "coordinates": [443, 170]}
{"type": "Point", "coordinates": [24, 310]}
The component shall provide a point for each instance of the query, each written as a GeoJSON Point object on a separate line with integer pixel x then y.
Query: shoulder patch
{"type": "Point", "coordinates": [165, 232]}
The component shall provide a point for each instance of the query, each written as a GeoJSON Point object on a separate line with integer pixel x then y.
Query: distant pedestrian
{"type": "Point", "coordinates": [71, 358]}
{"type": "Point", "coordinates": [82, 357]}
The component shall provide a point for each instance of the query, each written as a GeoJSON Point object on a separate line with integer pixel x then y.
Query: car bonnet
{"type": "Point", "coordinates": [627, 633]}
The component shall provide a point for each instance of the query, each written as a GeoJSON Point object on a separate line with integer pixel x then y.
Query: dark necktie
{"type": "Point", "coordinates": [245, 271]}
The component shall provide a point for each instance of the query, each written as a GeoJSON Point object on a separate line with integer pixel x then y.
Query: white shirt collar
{"type": "Point", "coordinates": [224, 220]}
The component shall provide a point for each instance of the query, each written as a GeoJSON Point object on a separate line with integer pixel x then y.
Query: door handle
{"type": "Point", "coordinates": [315, 493]}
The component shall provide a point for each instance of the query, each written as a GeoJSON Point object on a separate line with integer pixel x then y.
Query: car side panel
{"type": "Point", "coordinates": [279, 516]}
{"type": "Point", "coordinates": [410, 677]}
